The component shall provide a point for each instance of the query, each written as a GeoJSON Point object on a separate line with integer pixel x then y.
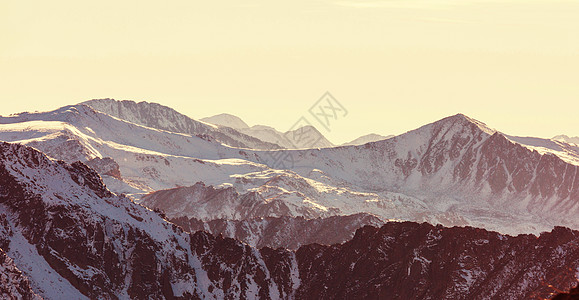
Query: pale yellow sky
{"type": "Point", "coordinates": [394, 64]}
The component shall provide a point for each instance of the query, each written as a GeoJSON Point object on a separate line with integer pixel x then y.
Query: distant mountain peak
{"type": "Point", "coordinates": [302, 137]}
{"type": "Point", "coordinates": [158, 116]}
{"type": "Point", "coordinates": [566, 139]}
{"type": "Point", "coordinates": [227, 120]}
{"type": "Point", "coordinates": [464, 120]}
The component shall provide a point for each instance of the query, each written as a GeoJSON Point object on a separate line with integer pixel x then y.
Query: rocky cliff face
{"type": "Point", "coordinates": [13, 284]}
{"type": "Point", "coordinates": [70, 236]}
{"type": "Point", "coordinates": [283, 232]}
{"type": "Point", "coordinates": [421, 261]}
{"type": "Point", "coordinates": [105, 166]}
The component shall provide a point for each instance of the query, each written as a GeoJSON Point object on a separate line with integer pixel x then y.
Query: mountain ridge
{"type": "Point", "coordinates": [169, 119]}
{"type": "Point", "coordinates": [306, 136]}
{"type": "Point", "coordinates": [456, 171]}
{"type": "Point", "coordinates": [284, 232]}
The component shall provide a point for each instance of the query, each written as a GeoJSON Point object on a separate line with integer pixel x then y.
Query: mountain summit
{"type": "Point", "coordinates": [227, 120]}
{"type": "Point", "coordinates": [165, 118]}
{"type": "Point", "coordinates": [297, 138]}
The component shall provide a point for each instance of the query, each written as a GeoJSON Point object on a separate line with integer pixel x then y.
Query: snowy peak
{"type": "Point", "coordinates": [144, 113]}
{"type": "Point", "coordinates": [227, 120]}
{"type": "Point", "coordinates": [431, 147]}
{"type": "Point", "coordinates": [445, 172]}
{"type": "Point", "coordinates": [165, 118]}
{"type": "Point", "coordinates": [464, 120]}
{"type": "Point", "coordinates": [306, 137]}
{"type": "Point", "coordinates": [566, 139]}
{"type": "Point", "coordinates": [454, 132]}
{"type": "Point", "coordinates": [300, 138]}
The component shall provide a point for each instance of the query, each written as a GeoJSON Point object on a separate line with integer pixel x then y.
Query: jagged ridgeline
{"type": "Point", "coordinates": [456, 171]}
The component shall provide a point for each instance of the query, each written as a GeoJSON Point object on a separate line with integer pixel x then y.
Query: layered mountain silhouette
{"type": "Point", "coordinates": [309, 136]}
{"type": "Point", "coordinates": [455, 171]}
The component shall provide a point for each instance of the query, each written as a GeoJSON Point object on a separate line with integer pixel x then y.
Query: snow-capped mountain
{"type": "Point", "coordinates": [149, 159]}
{"type": "Point", "coordinates": [456, 171]}
{"type": "Point", "coordinates": [567, 139]}
{"type": "Point", "coordinates": [284, 232]}
{"type": "Point", "coordinates": [70, 236]}
{"type": "Point", "coordinates": [303, 137]}
{"type": "Point", "coordinates": [372, 137]}
{"type": "Point", "coordinates": [226, 120]}
{"type": "Point", "coordinates": [134, 159]}
{"type": "Point", "coordinates": [459, 165]}
{"type": "Point", "coordinates": [164, 118]}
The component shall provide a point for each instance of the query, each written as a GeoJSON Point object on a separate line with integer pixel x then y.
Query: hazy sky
{"type": "Point", "coordinates": [393, 64]}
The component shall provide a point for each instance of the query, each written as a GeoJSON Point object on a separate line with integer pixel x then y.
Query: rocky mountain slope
{"type": "Point", "coordinates": [283, 232]}
{"type": "Point", "coordinates": [456, 171]}
{"type": "Point", "coordinates": [13, 284]}
{"type": "Point", "coordinates": [134, 159]}
{"type": "Point", "coordinates": [421, 261]}
{"type": "Point", "coordinates": [148, 159]}
{"type": "Point", "coordinates": [260, 194]}
{"type": "Point", "coordinates": [573, 294]}
{"type": "Point", "coordinates": [458, 165]}
{"type": "Point", "coordinates": [70, 236]}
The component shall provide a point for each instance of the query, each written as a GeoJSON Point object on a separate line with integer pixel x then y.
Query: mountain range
{"type": "Point", "coordinates": [284, 139]}
{"type": "Point", "coordinates": [65, 233]}
{"type": "Point", "coordinates": [456, 171]}
{"type": "Point", "coordinates": [118, 199]}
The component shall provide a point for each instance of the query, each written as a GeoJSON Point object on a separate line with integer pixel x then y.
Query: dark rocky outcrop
{"type": "Point", "coordinates": [283, 232]}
